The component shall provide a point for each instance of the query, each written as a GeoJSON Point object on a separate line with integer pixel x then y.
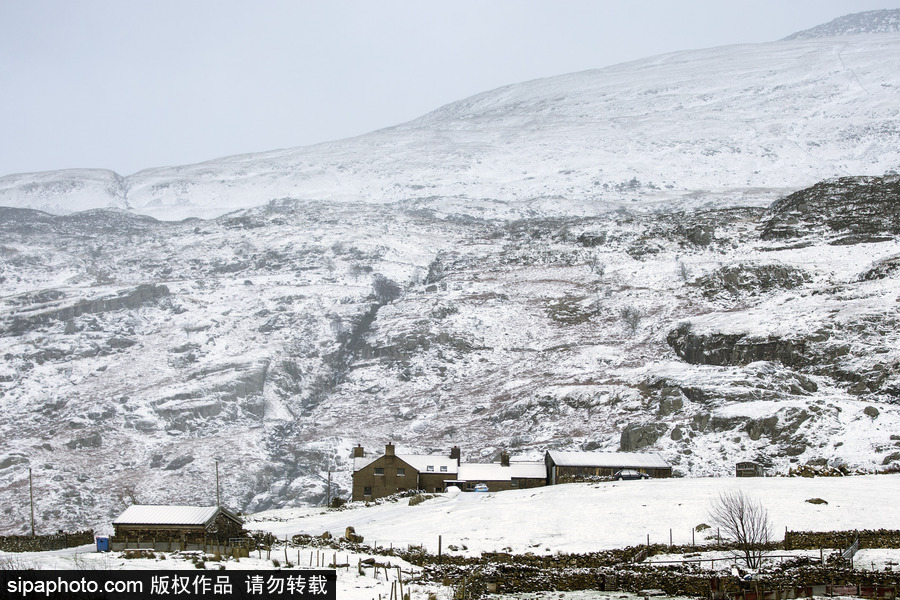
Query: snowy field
{"type": "Point", "coordinates": [565, 518]}
{"type": "Point", "coordinates": [588, 517]}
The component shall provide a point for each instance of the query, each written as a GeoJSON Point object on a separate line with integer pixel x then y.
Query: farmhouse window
{"type": "Point", "coordinates": [367, 491]}
{"type": "Point", "coordinates": [444, 469]}
{"type": "Point", "coordinates": [430, 468]}
{"type": "Point", "coordinates": [401, 472]}
{"type": "Point", "coordinates": [379, 470]}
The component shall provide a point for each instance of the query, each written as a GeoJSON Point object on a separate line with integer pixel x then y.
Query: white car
{"type": "Point", "coordinates": [481, 487]}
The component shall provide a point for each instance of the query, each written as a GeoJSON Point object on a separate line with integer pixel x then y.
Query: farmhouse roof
{"type": "Point", "coordinates": [153, 514]}
{"type": "Point", "coordinates": [497, 472]}
{"type": "Point", "coordinates": [420, 462]}
{"type": "Point", "coordinates": [624, 460]}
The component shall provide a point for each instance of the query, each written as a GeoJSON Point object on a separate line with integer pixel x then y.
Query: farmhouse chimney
{"type": "Point", "coordinates": [389, 449]}
{"type": "Point", "coordinates": [504, 459]}
{"type": "Point", "coordinates": [358, 452]}
{"type": "Point", "coordinates": [454, 453]}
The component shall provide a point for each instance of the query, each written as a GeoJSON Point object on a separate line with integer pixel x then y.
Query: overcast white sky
{"type": "Point", "coordinates": [128, 85]}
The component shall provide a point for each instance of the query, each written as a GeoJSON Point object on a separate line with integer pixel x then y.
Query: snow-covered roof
{"type": "Point", "coordinates": [420, 462]}
{"type": "Point", "coordinates": [497, 472]}
{"type": "Point", "coordinates": [626, 460]}
{"type": "Point", "coordinates": [153, 514]}
{"type": "Point", "coordinates": [361, 462]}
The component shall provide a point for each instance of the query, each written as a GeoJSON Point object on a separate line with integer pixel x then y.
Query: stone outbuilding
{"type": "Point", "coordinates": [503, 475]}
{"type": "Point", "coordinates": [749, 468]}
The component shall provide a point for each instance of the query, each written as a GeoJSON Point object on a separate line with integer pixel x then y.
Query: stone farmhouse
{"type": "Point", "coordinates": [377, 476]}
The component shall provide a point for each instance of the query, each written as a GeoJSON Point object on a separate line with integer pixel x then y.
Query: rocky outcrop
{"type": "Point", "coordinates": [127, 300]}
{"type": "Point", "coordinates": [725, 349]}
{"type": "Point", "coordinates": [749, 279]}
{"type": "Point", "coordinates": [850, 209]}
{"type": "Point", "coordinates": [636, 436]}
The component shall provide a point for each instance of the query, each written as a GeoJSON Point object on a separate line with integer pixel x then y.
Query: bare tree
{"type": "Point", "coordinates": [746, 522]}
{"type": "Point", "coordinates": [632, 318]}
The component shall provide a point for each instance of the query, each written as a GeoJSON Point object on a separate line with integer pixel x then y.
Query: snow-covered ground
{"type": "Point", "coordinates": [570, 518]}
{"type": "Point", "coordinates": [586, 517]}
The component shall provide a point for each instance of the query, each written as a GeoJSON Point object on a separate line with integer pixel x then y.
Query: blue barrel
{"type": "Point", "coordinates": [102, 544]}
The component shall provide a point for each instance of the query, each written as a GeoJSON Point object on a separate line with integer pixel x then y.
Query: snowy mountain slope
{"type": "Point", "coordinates": [735, 125]}
{"type": "Point", "coordinates": [464, 280]}
{"type": "Point", "coordinates": [138, 352]}
{"type": "Point", "coordinates": [873, 21]}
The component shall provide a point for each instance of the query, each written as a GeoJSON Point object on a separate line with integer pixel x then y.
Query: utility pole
{"type": "Point", "coordinates": [31, 493]}
{"type": "Point", "coordinates": [218, 503]}
{"type": "Point", "coordinates": [328, 494]}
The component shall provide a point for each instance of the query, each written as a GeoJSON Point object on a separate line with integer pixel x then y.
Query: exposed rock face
{"type": "Point", "coordinates": [735, 349]}
{"type": "Point", "coordinates": [636, 436]}
{"type": "Point", "coordinates": [749, 279]}
{"type": "Point", "coordinates": [850, 210]}
{"type": "Point", "coordinates": [126, 300]}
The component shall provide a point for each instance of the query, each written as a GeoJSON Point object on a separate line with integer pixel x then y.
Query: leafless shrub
{"type": "Point", "coordinates": [385, 289]}
{"type": "Point", "coordinates": [746, 522]}
{"type": "Point", "coordinates": [632, 318]}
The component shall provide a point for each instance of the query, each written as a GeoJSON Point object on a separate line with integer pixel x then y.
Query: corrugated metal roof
{"type": "Point", "coordinates": [624, 460]}
{"type": "Point", "coordinates": [497, 472]}
{"type": "Point", "coordinates": [152, 514]}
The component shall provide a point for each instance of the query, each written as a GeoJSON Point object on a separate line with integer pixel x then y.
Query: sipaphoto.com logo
{"type": "Point", "coordinates": [318, 584]}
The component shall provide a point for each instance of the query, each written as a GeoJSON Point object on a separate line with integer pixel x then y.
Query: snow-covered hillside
{"type": "Point", "coordinates": [139, 352]}
{"type": "Point", "coordinates": [734, 125]}
{"type": "Point", "coordinates": [464, 280]}
{"type": "Point", "coordinates": [873, 21]}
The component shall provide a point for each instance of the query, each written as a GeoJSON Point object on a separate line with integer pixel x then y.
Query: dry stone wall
{"type": "Point", "coordinates": [868, 538]}
{"type": "Point", "coordinates": [40, 543]}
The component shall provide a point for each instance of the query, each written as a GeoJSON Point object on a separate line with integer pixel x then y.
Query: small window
{"type": "Point", "coordinates": [514, 482]}
{"type": "Point", "coordinates": [379, 470]}
{"type": "Point", "coordinates": [430, 468]}
{"type": "Point", "coordinates": [367, 491]}
{"type": "Point", "coordinates": [444, 469]}
{"type": "Point", "coordinates": [401, 472]}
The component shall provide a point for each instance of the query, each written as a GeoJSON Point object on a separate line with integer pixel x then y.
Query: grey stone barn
{"type": "Point", "coordinates": [568, 467]}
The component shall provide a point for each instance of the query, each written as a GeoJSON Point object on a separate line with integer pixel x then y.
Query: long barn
{"type": "Point", "coordinates": [174, 526]}
{"type": "Point", "coordinates": [565, 467]}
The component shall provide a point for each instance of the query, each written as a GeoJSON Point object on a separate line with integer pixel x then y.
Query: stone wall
{"type": "Point", "coordinates": [39, 543]}
{"type": "Point", "coordinates": [868, 538]}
